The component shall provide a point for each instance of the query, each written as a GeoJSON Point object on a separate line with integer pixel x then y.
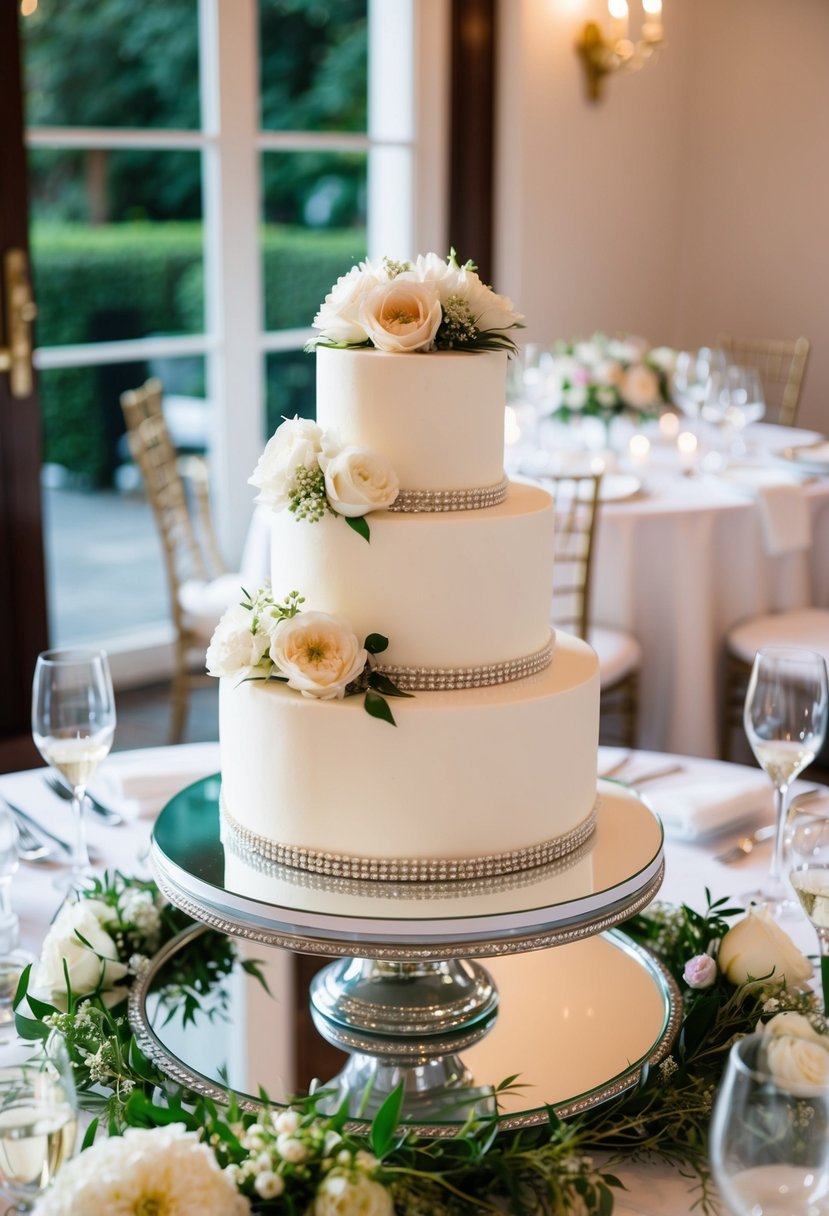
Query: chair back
{"type": "Point", "coordinates": [782, 366]}
{"type": "Point", "coordinates": [576, 501]}
{"type": "Point", "coordinates": [153, 452]}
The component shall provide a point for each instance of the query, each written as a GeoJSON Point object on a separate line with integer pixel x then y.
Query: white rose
{"type": "Point", "coordinates": [319, 654]}
{"type": "Point", "coordinates": [338, 318]}
{"type": "Point", "coordinates": [438, 272]}
{"type": "Point", "coordinates": [587, 353]}
{"type": "Point", "coordinates": [402, 315]}
{"type": "Point", "coordinates": [234, 646]}
{"type": "Point", "coordinates": [795, 1061]}
{"type": "Point", "coordinates": [796, 1026]}
{"type": "Point", "coordinates": [358, 481]}
{"type": "Point", "coordinates": [756, 946]}
{"type": "Point", "coordinates": [340, 1195]}
{"type": "Point", "coordinates": [574, 398]}
{"type": "Point", "coordinates": [489, 310]}
{"type": "Point", "coordinates": [87, 972]}
{"type": "Point", "coordinates": [294, 444]}
{"type": "Point", "coordinates": [627, 350]}
{"type": "Point", "coordinates": [640, 386]}
{"type": "Point", "coordinates": [663, 357]}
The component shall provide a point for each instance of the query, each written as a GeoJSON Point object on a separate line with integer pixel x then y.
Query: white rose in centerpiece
{"type": "Point", "coordinates": [338, 319]}
{"type": "Point", "coordinates": [158, 1170]}
{"type": "Point", "coordinates": [756, 947]}
{"type": "Point", "coordinates": [87, 971]}
{"type": "Point", "coordinates": [796, 1054]}
{"type": "Point", "coordinates": [663, 357]}
{"type": "Point", "coordinates": [319, 654]}
{"type": "Point", "coordinates": [639, 387]}
{"type": "Point", "coordinates": [358, 480]}
{"type": "Point", "coordinates": [402, 315]}
{"type": "Point", "coordinates": [341, 1194]}
{"type": "Point", "coordinates": [234, 646]}
{"type": "Point", "coordinates": [294, 444]}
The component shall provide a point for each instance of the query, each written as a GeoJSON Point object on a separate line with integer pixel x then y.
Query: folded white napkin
{"type": "Point", "coordinates": [784, 517]}
{"type": "Point", "coordinates": [705, 807]}
{"type": "Point", "coordinates": [135, 789]}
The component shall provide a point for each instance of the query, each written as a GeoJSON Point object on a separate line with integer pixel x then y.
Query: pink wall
{"type": "Point", "coordinates": [693, 198]}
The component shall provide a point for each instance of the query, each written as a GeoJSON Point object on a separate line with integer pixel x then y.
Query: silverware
{"type": "Point", "coordinates": [36, 828]}
{"type": "Point", "coordinates": [615, 769]}
{"type": "Point", "coordinates": [107, 813]}
{"type": "Point", "coordinates": [655, 775]}
{"type": "Point", "coordinates": [745, 845]}
{"type": "Point", "coordinates": [29, 847]}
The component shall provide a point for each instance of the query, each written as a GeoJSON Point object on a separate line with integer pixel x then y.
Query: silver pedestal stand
{"type": "Point", "coordinates": [406, 994]}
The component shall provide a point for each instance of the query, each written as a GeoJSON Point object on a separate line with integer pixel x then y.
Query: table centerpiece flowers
{"type": "Point", "coordinates": [297, 1160]}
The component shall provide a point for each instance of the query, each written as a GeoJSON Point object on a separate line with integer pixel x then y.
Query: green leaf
{"type": "Point", "coordinates": [360, 526]}
{"type": "Point", "coordinates": [381, 1136]}
{"type": "Point", "coordinates": [29, 1029]}
{"type": "Point", "coordinates": [375, 643]}
{"type": "Point", "coordinates": [383, 684]}
{"type": "Point", "coordinates": [378, 707]}
{"type": "Point", "coordinates": [90, 1134]}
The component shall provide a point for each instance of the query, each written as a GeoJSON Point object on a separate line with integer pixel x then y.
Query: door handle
{"type": "Point", "coordinates": [19, 310]}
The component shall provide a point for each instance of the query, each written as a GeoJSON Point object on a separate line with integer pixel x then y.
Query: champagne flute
{"type": "Point", "coordinates": [807, 842]}
{"type": "Point", "coordinates": [38, 1121]}
{"type": "Point", "coordinates": [769, 1141]}
{"type": "Point", "coordinates": [785, 716]}
{"type": "Point", "coordinates": [73, 722]}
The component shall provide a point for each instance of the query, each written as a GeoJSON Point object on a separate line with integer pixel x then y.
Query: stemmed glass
{"type": "Point", "coordinates": [785, 716]}
{"type": "Point", "coordinates": [73, 722]}
{"type": "Point", "coordinates": [807, 844]}
{"type": "Point", "coordinates": [38, 1121]}
{"type": "Point", "coordinates": [769, 1141]}
{"type": "Point", "coordinates": [690, 378]}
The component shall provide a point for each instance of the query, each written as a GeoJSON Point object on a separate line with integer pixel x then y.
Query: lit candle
{"type": "Point", "coordinates": [668, 426]}
{"type": "Point", "coordinates": [686, 443]}
{"type": "Point", "coordinates": [639, 449]}
{"type": "Point", "coordinates": [652, 26]}
{"type": "Point", "coordinates": [618, 10]}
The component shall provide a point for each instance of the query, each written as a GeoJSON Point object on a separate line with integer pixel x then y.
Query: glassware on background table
{"type": "Point", "coordinates": [769, 1141]}
{"type": "Point", "coordinates": [38, 1119]}
{"type": "Point", "coordinates": [785, 716]}
{"type": "Point", "coordinates": [73, 723]}
{"type": "Point", "coordinates": [746, 403]}
{"type": "Point", "coordinates": [690, 378]}
{"type": "Point", "coordinates": [13, 960]}
{"type": "Point", "coordinates": [807, 849]}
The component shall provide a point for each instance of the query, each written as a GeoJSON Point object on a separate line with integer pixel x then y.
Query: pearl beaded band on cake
{"type": "Point", "coordinates": [473, 499]}
{"type": "Point", "coordinates": [444, 679]}
{"type": "Point", "coordinates": [411, 869]}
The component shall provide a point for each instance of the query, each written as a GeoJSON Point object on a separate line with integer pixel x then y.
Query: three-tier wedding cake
{"type": "Point", "coordinates": [409, 578]}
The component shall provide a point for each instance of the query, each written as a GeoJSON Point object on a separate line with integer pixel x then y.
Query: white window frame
{"type": "Point", "coordinates": [406, 146]}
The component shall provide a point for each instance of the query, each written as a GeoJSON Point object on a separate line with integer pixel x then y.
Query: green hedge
{"type": "Point", "coordinates": [132, 280]}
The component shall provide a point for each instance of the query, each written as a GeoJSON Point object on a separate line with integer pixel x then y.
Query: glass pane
{"type": "Point", "coordinates": [290, 387]}
{"type": "Point", "coordinates": [104, 561]}
{"type": "Point", "coordinates": [111, 63]}
{"type": "Point", "coordinates": [121, 258]}
{"type": "Point", "coordinates": [313, 65]}
{"type": "Point", "coordinates": [315, 230]}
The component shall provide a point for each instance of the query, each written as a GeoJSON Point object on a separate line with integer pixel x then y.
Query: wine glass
{"type": "Point", "coordinates": [38, 1120]}
{"type": "Point", "coordinates": [807, 844]}
{"type": "Point", "coordinates": [769, 1140]}
{"type": "Point", "coordinates": [73, 722]}
{"type": "Point", "coordinates": [690, 378]}
{"type": "Point", "coordinates": [785, 722]}
{"type": "Point", "coordinates": [746, 403]}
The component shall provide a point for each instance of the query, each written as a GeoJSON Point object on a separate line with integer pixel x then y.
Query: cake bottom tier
{"type": "Point", "coordinates": [505, 772]}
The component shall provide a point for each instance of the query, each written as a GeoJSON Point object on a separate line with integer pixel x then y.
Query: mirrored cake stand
{"type": "Point", "coordinates": [406, 994]}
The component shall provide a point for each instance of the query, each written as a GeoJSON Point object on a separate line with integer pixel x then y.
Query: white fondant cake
{"type": "Point", "coordinates": [486, 769]}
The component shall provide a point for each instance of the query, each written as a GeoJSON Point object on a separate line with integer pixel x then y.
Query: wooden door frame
{"type": "Point", "coordinates": [23, 618]}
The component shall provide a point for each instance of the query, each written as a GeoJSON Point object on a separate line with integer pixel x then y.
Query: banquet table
{"type": "Point", "coordinates": [680, 559]}
{"type": "Point", "coordinates": [141, 782]}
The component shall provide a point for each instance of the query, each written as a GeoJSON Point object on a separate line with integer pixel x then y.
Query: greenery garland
{"type": "Point", "coordinates": [285, 1159]}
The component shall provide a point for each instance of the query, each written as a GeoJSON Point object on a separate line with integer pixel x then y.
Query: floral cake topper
{"type": "Point", "coordinates": [431, 304]}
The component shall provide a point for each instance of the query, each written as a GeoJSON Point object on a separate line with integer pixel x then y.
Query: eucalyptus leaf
{"type": "Point", "coordinates": [378, 707]}
{"type": "Point", "coordinates": [360, 525]}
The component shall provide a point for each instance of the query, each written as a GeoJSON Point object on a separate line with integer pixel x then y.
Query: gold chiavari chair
{"type": "Point", "coordinates": [782, 366]}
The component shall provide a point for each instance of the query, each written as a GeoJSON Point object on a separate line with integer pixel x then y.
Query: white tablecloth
{"type": "Point", "coordinates": [680, 563]}
{"type": "Point", "coordinates": [146, 779]}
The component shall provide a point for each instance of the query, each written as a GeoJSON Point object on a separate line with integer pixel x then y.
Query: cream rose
{"type": "Point", "coordinates": [318, 654]}
{"type": "Point", "coordinates": [338, 319]}
{"type": "Point", "coordinates": [639, 386]}
{"type": "Point", "coordinates": [234, 646]}
{"type": "Point", "coordinates": [358, 481]}
{"type": "Point", "coordinates": [294, 444]}
{"type": "Point", "coordinates": [356, 1195]}
{"type": "Point", "coordinates": [795, 1052]}
{"type": "Point", "coordinates": [90, 968]}
{"type": "Point", "coordinates": [402, 315]}
{"type": "Point", "coordinates": [756, 947]}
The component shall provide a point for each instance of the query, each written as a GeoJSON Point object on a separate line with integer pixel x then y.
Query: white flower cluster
{"type": "Point", "coordinates": [316, 654]}
{"type": "Point", "coordinates": [310, 471]}
{"type": "Point", "coordinates": [79, 940]}
{"type": "Point", "coordinates": [606, 375]}
{"type": "Point", "coordinates": [163, 1169]}
{"type": "Point", "coordinates": [429, 304]}
{"type": "Point", "coordinates": [283, 1145]}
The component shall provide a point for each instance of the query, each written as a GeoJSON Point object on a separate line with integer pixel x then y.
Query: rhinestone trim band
{"type": "Point", "coordinates": [411, 869]}
{"type": "Point", "coordinates": [444, 679]}
{"type": "Point", "coordinates": [474, 499]}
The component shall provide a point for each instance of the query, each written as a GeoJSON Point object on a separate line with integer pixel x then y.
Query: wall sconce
{"type": "Point", "coordinates": [601, 56]}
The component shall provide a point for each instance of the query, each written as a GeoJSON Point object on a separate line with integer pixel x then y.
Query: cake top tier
{"type": "Point", "coordinates": [430, 304]}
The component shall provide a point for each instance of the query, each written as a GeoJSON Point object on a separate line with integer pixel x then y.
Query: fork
{"type": "Point", "coordinates": [107, 813]}
{"type": "Point", "coordinates": [29, 847]}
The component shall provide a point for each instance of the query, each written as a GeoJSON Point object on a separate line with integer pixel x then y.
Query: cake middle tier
{"type": "Point", "coordinates": [452, 589]}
